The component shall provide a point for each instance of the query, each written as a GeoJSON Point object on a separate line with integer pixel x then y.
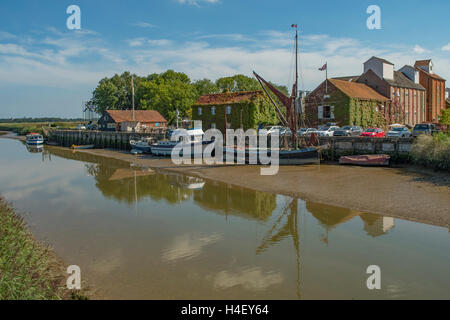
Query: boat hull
{"type": "Point", "coordinates": [166, 149]}
{"type": "Point", "coordinates": [35, 142]}
{"type": "Point", "coordinates": [366, 160]}
{"type": "Point", "coordinates": [286, 157]}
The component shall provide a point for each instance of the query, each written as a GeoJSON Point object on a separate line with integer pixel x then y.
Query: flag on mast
{"type": "Point", "coordinates": [294, 26]}
{"type": "Point", "coordinates": [324, 67]}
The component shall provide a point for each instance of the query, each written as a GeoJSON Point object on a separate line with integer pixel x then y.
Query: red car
{"type": "Point", "coordinates": [374, 133]}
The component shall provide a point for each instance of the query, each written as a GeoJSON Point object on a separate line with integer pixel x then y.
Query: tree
{"type": "Point", "coordinates": [237, 83]}
{"type": "Point", "coordinates": [167, 93]}
{"type": "Point", "coordinates": [205, 86]}
{"type": "Point", "coordinates": [445, 117]}
{"type": "Point", "coordinates": [104, 96]}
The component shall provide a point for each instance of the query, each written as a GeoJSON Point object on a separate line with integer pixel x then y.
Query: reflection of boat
{"type": "Point", "coordinates": [366, 160]}
{"type": "Point", "coordinates": [193, 183]}
{"type": "Point", "coordinates": [87, 146]}
{"type": "Point", "coordinates": [194, 143]}
{"type": "Point", "coordinates": [35, 148]}
{"type": "Point", "coordinates": [141, 145]}
{"type": "Point", "coordinates": [34, 139]}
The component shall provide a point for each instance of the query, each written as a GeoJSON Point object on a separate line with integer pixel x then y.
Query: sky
{"type": "Point", "coordinates": [48, 70]}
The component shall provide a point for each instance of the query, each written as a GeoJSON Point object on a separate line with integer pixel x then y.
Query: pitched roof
{"type": "Point", "coordinates": [381, 59]}
{"type": "Point", "coordinates": [140, 115]}
{"type": "Point", "coordinates": [357, 90]}
{"type": "Point", "coordinates": [402, 81]}
{"type": "Point", "coordinates": [348, 78]}
{"type": "Point", "coordinates": [227, 97]}
{"type": "Point", "coordinates": [422, 62]}
{"type": "Point", "coordinates": [432, 75]}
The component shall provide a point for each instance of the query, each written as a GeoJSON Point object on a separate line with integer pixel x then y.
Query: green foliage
{"type": "Point", "coordinates": [445, 117]}
{"type": "Point", "coordinates": [365, 114]}
{"type": "Point", "coordinates": [432, 151]}
{"type": "Point", "coordinates": [237, 83]}
{"type": "Point", "coordinates": [28, 270]}
{"type": "Point", "coordinates": [165, 92]}
{"type": "Point", "coordinates": [246, 115]}
{"type": "Point", "coordinates": [205, 86]}
{"type": "Point", "coordinates": [25, 128]}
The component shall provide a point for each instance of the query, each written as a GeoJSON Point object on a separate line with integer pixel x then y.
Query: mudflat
{"type": "Point", "coordinates": [408, 192]}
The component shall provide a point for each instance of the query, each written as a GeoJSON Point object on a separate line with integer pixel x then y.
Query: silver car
{"type": "Point", "coordinates": [398, 132]}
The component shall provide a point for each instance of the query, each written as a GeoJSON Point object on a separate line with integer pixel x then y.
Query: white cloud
{"type": "Point", "coordinates": [446, 47]}
{"type": "Point", "coordinates": [418, 49]}
{"type": "Point", "coordinates": [187, 247]}
{"type": "Point", "coordinates": [197, 2]}
{"type": "Point", "coordinates": [144, 25]}
{"type": "Point", "coordinates": [252, 279]}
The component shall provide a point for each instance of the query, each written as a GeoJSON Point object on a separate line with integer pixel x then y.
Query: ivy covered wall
{"type": "Point", "coordinates": [347, 110]}
{"type": "Point", "coordinates": [247, 114]}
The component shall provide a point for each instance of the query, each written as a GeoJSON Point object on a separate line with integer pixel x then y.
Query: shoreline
{"type": "Point", "coordinates": [31, 270]}
{"type": "Point", "coordinates": [384, 191]}
{"type": "Point", "coordinates": [387, 191]}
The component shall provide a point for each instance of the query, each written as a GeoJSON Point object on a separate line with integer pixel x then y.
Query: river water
{"type": "Point", "coordinates": [137, 233]}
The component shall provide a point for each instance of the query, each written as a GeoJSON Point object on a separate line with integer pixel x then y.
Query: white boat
{"type": "Point", "coordinates": [34, 139]}
{"type": "Point", "coordinates": [164, 148]}
{"type": "Point", "coordinates": [141, 145]}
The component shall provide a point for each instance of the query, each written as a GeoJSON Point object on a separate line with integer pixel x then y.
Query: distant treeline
{"type": "Point", "coordinates": [35, 120]}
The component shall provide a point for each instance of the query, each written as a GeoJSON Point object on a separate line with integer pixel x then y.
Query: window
{"type": "Point", "coordinates": [213, 110]}
{"type": "Point", "coordinates": [200, 111]}
{"type": "Point", "coordinates": [228, 110]}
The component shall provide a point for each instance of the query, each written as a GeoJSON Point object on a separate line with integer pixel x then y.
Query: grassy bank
{"type": "Point", "coordinates": [432, 151]}
{"type": "Point", "coordinates": [29, 270]}
{"type": "Point", "coordinates": [25, 128]}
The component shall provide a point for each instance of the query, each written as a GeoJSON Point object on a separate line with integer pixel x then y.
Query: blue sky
{"type": "Point", "coordinates": [48, 70]}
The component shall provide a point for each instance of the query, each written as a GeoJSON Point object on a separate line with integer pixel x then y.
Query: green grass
{"type": "Point", "coordinates": [29, 270]}
{"type": "Point", "coordinates": [25, 128]}
{"type": "Point", "coordinates": [432, 151]}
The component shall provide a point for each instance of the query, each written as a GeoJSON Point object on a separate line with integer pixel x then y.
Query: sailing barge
{"type": "Point", "coordinates": [289, 156]}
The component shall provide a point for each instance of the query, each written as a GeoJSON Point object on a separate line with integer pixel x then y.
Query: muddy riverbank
{"type": "Point", "coordinates": [410, 193]}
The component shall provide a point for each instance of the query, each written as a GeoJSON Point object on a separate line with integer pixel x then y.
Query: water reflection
{"type": "Point", "coordinates": [228, 258]}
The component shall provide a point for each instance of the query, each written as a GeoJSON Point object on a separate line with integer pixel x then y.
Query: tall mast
{"type": "Point", "coordinates": [132, 97]}
{"type": "Point", "coordinates": [296, 63]}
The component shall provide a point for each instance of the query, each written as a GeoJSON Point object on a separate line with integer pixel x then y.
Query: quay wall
{"type": "Point", "coordinates": [102, 139]}
{"type": "Point", "coordinates": [333, 147]}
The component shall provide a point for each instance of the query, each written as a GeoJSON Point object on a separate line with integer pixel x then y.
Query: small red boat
{"type": "Point", "coordinates": [366, 160]}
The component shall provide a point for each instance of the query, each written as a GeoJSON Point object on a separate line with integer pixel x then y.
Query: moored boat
{"type": "Point", "coordinates": [308, 155]}
{"type": "Point", "coordinates": [141, 145]}
{"type": "Point", "coordinates": [34, 139]}
{"type": "Point", "coordinates": [87, 146]}
{"type": "Point", "coordinates": [366, 160]}
{"type": "Point", "coordinates": [195, 143]}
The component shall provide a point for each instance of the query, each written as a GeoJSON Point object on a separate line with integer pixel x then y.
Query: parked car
{"type": "Point", "coordinates": [373, 133]}
{"type": "Point", "coordinates": [272, 129]}
{"type": "Point", "coordinates": [424, 128]}
{"type": "Point", "coordinates": [309, 131]}
{"type": "Point", "coordinates": [328, 131]}
{"type": "Point", "coordinates": [348, 131]}
{"type": "Point", "coordinates": [81, 127]}
{"type": "Point", "coordinates": [398, 132]}
{"type": "Point", "coordinates": [285, 132]}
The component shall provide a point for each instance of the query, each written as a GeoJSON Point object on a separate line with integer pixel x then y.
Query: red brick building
{"type": "Point", "coordinates": [435, 87]}
{"type": "Point", "coordinates": [400, 89]}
